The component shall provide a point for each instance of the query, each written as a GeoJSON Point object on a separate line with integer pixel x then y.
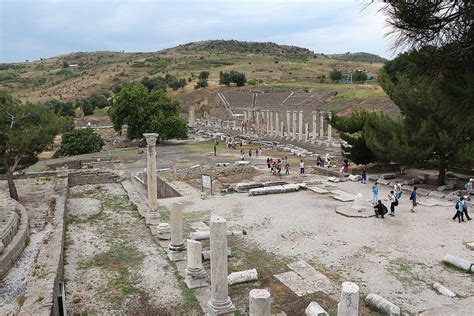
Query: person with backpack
{"type": "Point", "coordinates": [380, 209]}
{"type": "Point", "coordinates": [413, 197]}
{"type": "Point", "coordinates": [459, 209]}
{"type": "Point", "coordinates": [375, 194]}
{"type": "Point", "coordinates": [393, 202]}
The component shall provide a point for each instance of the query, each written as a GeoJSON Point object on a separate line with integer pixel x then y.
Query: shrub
{"type": "Point", "coordinates": [81, 141]}
{"type": "Point", "coordinates": [202, 83]}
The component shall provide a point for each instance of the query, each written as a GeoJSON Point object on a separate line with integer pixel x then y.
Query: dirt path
{"type": "Point", "coordinates": [112, 264]}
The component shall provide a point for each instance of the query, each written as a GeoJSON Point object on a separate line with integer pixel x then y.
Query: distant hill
{"type": "Point", "coordinates": [233, 46]}
{"type": "Point", "coordinates": [360, 56]}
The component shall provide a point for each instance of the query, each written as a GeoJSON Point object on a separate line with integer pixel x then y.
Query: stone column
{"type": "Point", "coordinates": [257, 121]}
{"type": "Point", "coordinates": [282, 129]}
{"type": "Point", "coordinates": [153, 217]}
{"type": "Point", "coordinates": [295, 113]}
{"type": "Point", "coordinates": [220, 302]}
{"type": "Point", "coordinates": [177, 247]}
{"type": "Point", "coordinates": [315, 122]}
{"type": "Point", "coordinates": [235, 124]}
{"type": "Point", "coordinates": [259, 303]}
{"type": "Point", "coordinates": [306, 132]}
{"type": "Point", "coordinates": [288, 123]}
{"type": "Point", "coordinates": [300, 127]}
{"type": "Point", "coordinates": [192, 119]}
{"type": "Point", "coordinates": [277, 124]}
{"type": "Point", "coordinates": [321, 124]}
{"type": "Point", "coordinates": [349, 301]}
{"type": "Point", "coordinates": [272, 124]}
{"type": "Point", "coordinates": [329, 131]}
{"type": "Point", "coordinates": [194, 275]}
{"type": "Point", "coordinates": [267, 121]}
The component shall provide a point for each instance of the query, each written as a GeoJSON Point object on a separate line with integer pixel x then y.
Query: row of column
{"type": "Point", "coordinates": [269, 123]}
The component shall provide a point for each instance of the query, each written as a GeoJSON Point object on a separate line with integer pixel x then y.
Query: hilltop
{"type": "Point", "coordinates": [270, 65]}
{"type": "Point", "coordinates": [360, 56]}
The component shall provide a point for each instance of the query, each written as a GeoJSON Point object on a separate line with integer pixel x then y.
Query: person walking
{"type": "Point", "coordinates": [393, 202]}
{"type": "Point", "coordinates": [465, 209]}
{"type": "Point", "coordinates": [301, 166]}
{"type": "Point", "coordinates": [287, 168]}
{"type": "Point", "coordinates": [268, 163]}
{"type": "Point", "coordinates": [363, 176]}
{"type": "Point", "coordinates": [250, 153]}
{"type": "Point", "coordinates": [398, 190]}
{"type": "Point", "coordinates": [375, 194]}
{"type": "Point", "coordinates": [460, 209]}
{"type": "Point", "coordinates": [413, 198]}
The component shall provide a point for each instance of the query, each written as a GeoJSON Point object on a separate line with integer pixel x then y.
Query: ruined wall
{"type": "Point", "coordinates": [93, 176]}
{"type": "Point", "coordinates": [165, 190]}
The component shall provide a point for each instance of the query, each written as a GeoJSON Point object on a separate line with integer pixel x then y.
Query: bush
{"type": "Point", "coordinates": [204, 75]}
{"type": "Point", "coordinates": [61, 108]}
{"type": "Point", "coordinates": [81, 141]}
{"type": "Point", "coordinates": [202, 83]}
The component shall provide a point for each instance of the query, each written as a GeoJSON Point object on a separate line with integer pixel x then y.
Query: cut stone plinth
{"type": "Point", "coordinates": [436, 194]}
{"type": "Point", "coordinates": [317, 189]}
{"type": "Point", "coordinates": [296, 283]}
{"type": "Point", "coordinates": [349, 301]}
{"type": "Point", "coordinates": [259, 302]}
{"type": "Point", "coordinates": [195, 275]}
{"type": "Point", "coordinates": [314, 309]}
{"type": "Point", "coordinates": [309, 274]}
{"type": "Point", "coordinates": [163, 231]}
{"type": "Point", "coordinates": [242, 276]}
{"type": "Point", "coordinates": [388, 176]}
{"type": "Point", "coordinates": [380, 304]}
{"type": "Point", "coordinates": [220, 302]}
{"type": "Point", "coordinates": [443, 290]}
{"type": "Point", "coordinates": [459, 263]}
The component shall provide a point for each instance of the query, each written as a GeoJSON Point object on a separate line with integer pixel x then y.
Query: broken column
{"type": "Point", "coordinates": [300, 127]}
{"type": "Point", "coordinates": [329, 130]}
{"type": "Point", "coordinates": [277, 124]}
{"type": "Point", "coordinates": [314, 309]}
{"type": "Point", "coordinates": [295, 113]}
{"type": "Point", "coordinates": [192, 119]}
{"type": "Point", "coordinates": [153, 217]}
{"type": "Point", "coordinates": [195, 275]}
{"type": "Point", "coordinates": [220, 302]}
{"type": "Point", "coordinates": [459, 263]}
{"type": "Point", "coordinates": [380, 304]}
{"type": "Point", "coordinates": [259, 302]}
{"type": "Point", "coordinates": [177, 247]}
{"type": "Point", "coordinates": [349, 302]}
{"type": "Point", "coordinates": [288, 123]}
{"type": "Point", "coordinates": [315, 121]}
{"type": "Point", "coordinates": [321, 124]}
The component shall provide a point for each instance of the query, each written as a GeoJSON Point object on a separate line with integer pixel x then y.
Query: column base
{"type": "Point", "coordinates": [177, 255]}
{"type": "Point", "coordinates": [221, 308]}
{"type": "Point", "coordinates": [194, 282]}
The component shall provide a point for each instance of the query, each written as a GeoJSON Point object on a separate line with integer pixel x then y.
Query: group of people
{"type": "Point", "coordinates": [461, 210]}
{"type": "Point", "coordinates": [276, 165]}
{"type": "Point", "coordinates": [257, 152]}
{"type": "Point", "coordinates": [393, 197]}
{"type": "Point", "coordinates": [324, 161]}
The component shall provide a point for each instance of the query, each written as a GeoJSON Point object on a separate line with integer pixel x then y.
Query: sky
{"type": "Point", "coordinates": [34, 29]}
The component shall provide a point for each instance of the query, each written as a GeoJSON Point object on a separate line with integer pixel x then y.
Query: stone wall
{"type": "Point", "coordinates": [17, 235]}
{"type": "Point", "coordinates": [165, 190]}
{"type": "Point", "coordinates": [94, 176]}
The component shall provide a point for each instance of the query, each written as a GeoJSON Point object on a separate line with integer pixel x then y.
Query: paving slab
{"type": "Point", "coordinates": [311, 275]}
{"type": "Point", "coordinates": [317, 189]}
{"type": "Point", "coordinates": [296, 283]}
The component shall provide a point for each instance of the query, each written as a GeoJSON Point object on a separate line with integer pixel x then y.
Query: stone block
{"type": "Point", "coordinates": [445, 187]}
{"type": "Point", "coordinates": [423, 192]}
{"type": "Point", "coordinates": [383, 181]}
{"type": "Point", "coordinates": [354, 178]}
{"type": "Point", "coordinates": [436, 194]}
{"type": "Point", "coordinates": [314, 309]}
{"type": "Point", "coordinates": [241, 163]}
{"type": "Point", "coordinates": [388, 176]}
{"type": "Point", "coordinates": [408, 188]}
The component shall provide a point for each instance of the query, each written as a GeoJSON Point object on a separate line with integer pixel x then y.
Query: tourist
{"type": "Point", "coordinates": [375, 193]}
{"type": "Point", "coordinates": [380, 209]}
{"type": "Point", "coordinates": [465, 209]}
{"type": "Point", "coordinates": [341, 173]}
{"type": "Point", "coordinates": [398, 190]}
{"type": "Point", "coordinates": [301, 166]}
{"type": "Point", "coordinates": [256, 152]}
{"type": "Point", "coordinates": [460, 209]}
{"type": "Point", "coordinates": [242, 155]}
{"type": "Point", "coordinates": [287, 168]}
{"type": "Point", "coordinates": [268, 163]}
{"type": "Point", "coordinates": [469, 186]}
{"type": "Point", "coordinates": [322, 163]}
{"type": "Point", "coordinates": [363, 176]}
{"type": "Point", "coordinates": [413, 197]}
{"type": "Point", "coordinates": [279, 166]}
{"type": "Point", "coordinates": [274, 167]}
{"type": "Point", "coordinates": [318, 161]}
{"type": "Point", "coordinates": [250, 153]}
{"type": "Point", "coordinates": [346, 166]}
{"type": "Point", "coordinates": [392, 197]}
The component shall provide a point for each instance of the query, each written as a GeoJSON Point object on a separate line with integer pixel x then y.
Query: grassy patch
{"type": "Point", "coordinates": [118, 257]}
{"type": "Point", "coordinates": [403, 270]}
{"type": "Point", "coordinates": [190, 301]}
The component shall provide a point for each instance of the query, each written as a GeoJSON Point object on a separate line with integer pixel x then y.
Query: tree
{"type": "Point", "coordinates": [157, 83]}
{"type": "Point", "coordinates": [225, 78]}
{"type": "Point", "coordinates": [98, 100]}
{"type": "Point", "coordinates": [60, 108]}
{"type": "Point", "coordinates": [335, 75]}
{"type": "Point", "coordinates": [359, 76]}
{"type": "Point", "coordinates": [233, 76]}
{"type": "Point", "coordinates": [65, 64]}
{"type": "Point", "coordinates": [202, 83]}
{"type": "Point", "coordinates": [86, 106]}
{"type": "Point", "coordinates": [81, 141]}
{"type": "Point", "coordinates": [204, 75]}
{"type": "Point", "coordinates": [25, 130]}
{"type": "Point", "coordinates": [147, 112]}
